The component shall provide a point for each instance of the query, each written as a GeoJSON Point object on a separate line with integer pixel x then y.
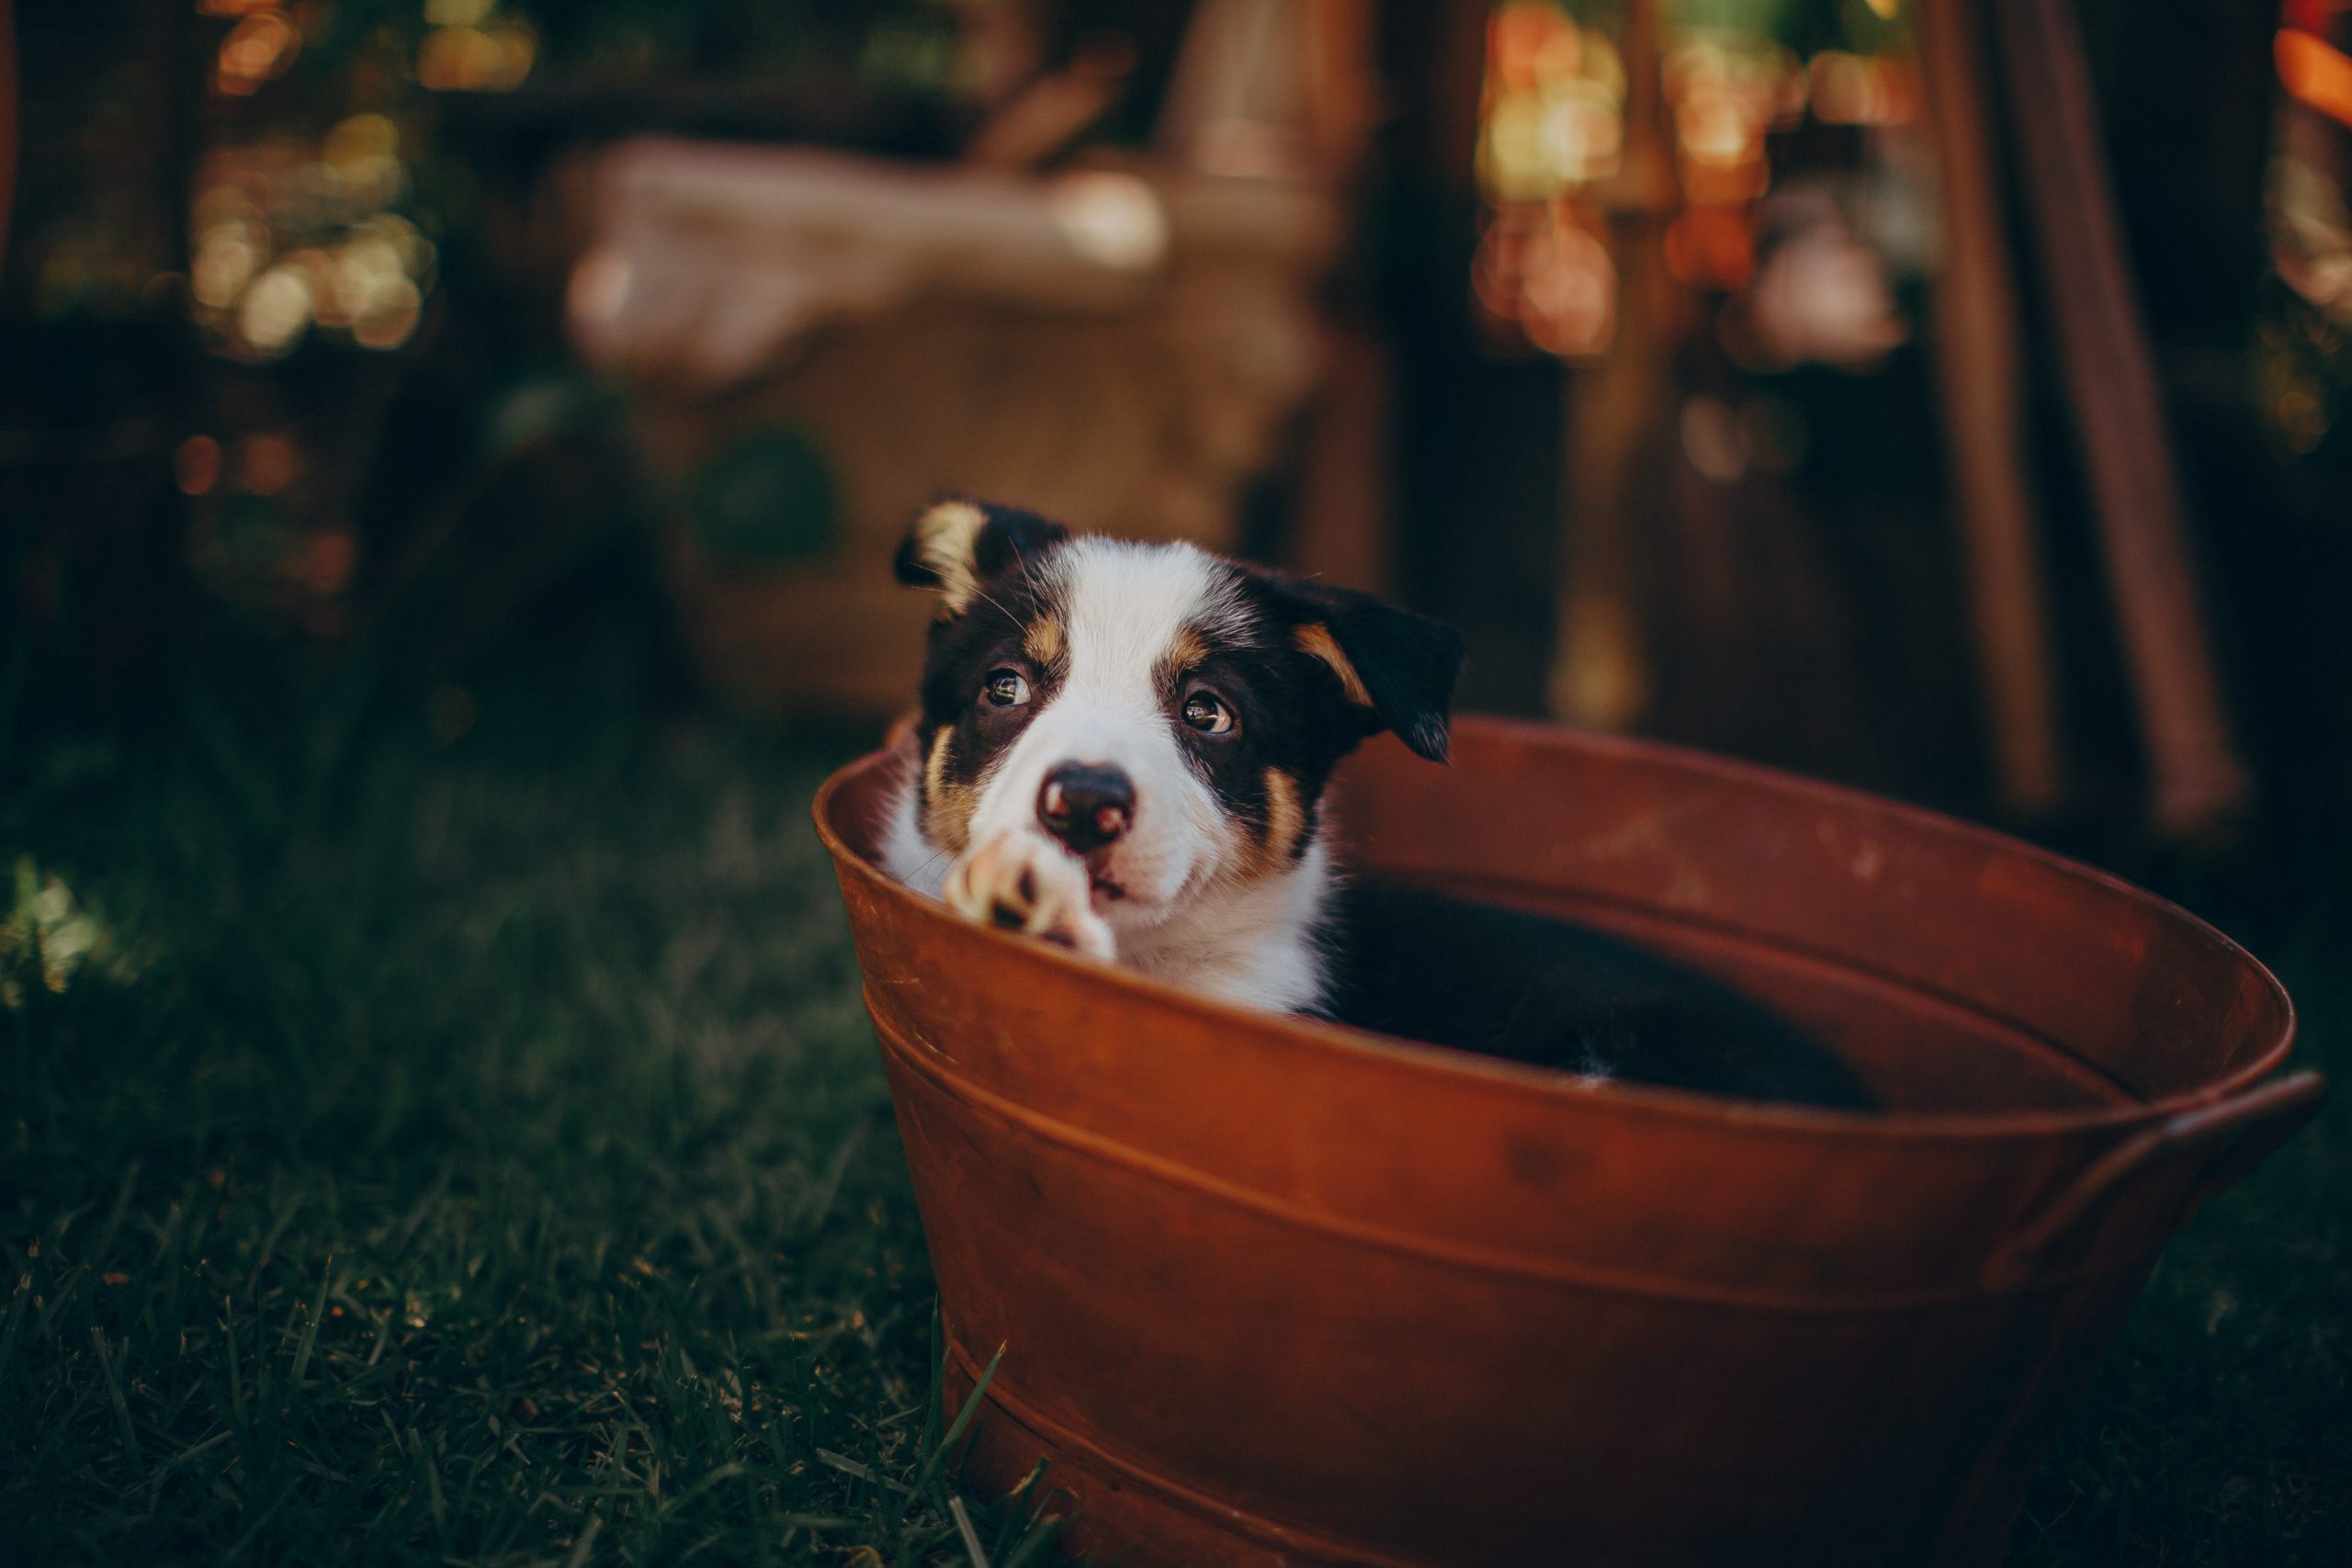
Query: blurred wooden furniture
{"type": "Point", "coordinates": [1122, 344]}
{"type": "Point", "coordinates": [1118, 354]}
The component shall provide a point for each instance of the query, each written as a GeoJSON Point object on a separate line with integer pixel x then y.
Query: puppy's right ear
{"type": "Point", "coordinates": [958, 545]}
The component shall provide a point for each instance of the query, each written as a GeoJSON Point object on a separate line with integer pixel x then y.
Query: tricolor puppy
{"type": "Point", "coordinates": [1123, 747]}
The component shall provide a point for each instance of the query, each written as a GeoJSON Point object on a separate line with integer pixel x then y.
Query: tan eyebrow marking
{"type": "Point", "coordinates": [1317, 641]}
{"type": "Point", "coordinates": [1042, 642]}
{"type": "Point", "coordinates": [1184, 651]}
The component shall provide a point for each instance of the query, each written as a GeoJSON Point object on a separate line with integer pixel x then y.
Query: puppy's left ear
{"type": "Point", "coordinates": [958, 544]}
{"type": "Point", "coordinates": [1396, 666]}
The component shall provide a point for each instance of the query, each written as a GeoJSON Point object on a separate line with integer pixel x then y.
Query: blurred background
{"type": "Point", "coordinates": [1948, 400]}
{"type": "Point", "coordinates": [450, 452]}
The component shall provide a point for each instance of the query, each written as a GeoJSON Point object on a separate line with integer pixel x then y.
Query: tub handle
{"type": "Point", "coordinates": [2254, 1124]}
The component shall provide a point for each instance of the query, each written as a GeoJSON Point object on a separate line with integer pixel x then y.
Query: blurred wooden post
{"type": "Point", "coordinates": [1341, 531]}
{"type": "Point", "coordinates": [1615, 413]}
{"type": "Point", "coordinates": [7, 121]}
{"type": "Point", "coordinates": [1977, 363]}
{"type": "Point", "coordinates": [2199, 784]}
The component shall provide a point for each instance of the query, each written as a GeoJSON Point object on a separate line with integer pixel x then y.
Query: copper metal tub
{"type": "Point", "coordinates": [1272, 1291]}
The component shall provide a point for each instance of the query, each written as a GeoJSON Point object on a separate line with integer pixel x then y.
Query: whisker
{"type": "Point", "coordinates": [1001, 610]}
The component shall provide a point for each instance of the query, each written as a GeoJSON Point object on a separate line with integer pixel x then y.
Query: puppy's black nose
{"type": "Point", "coordinates": [1086, 805]}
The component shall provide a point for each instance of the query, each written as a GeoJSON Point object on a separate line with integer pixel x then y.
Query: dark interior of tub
{"type": "Point", "coordinates": [1527, 976]}
{"type": "Point", "coordinates": [1949, 970]}
{"type": "Point", "coordinates": [1421, 965]}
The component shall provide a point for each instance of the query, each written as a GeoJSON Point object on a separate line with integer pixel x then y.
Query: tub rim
{"type": "Point", "coordinates": [1680, 1106]}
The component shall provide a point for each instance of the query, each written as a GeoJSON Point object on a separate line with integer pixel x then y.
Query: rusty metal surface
{"type": "Point", "coordinates": [1272, 1290]}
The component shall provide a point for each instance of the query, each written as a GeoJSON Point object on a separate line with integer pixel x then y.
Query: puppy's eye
{"type": "Point", "coordinates": [1208, 713]}
{"type": "Point", "coordinates": [1004, 689]}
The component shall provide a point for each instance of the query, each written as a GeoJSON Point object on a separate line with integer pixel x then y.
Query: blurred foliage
{"type": "Point", "coordinates": [376, 40]}
{"type": "Point", "coordinates": [769, 499]}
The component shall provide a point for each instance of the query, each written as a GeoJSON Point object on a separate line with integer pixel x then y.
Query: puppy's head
{"type": "Point", "coordinates": [1170, 717]}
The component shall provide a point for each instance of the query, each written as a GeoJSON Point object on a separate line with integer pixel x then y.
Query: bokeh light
{"type": "Point", "coordinates": [1552, 133]}
{"type": "Point", "coordinates": [259, 48]}
{"type": "Point", "coordinates": [1551, 116]}
{"type": "Point", "coordinates": [1853, 89]}
{"type": "Point", "coordinates": [276, 310]}
{"type": "Point", "coordinates": [462, 57]}
{"type": "Point", "coordinates": [269, 462]}
{"type": "Point", "coordinates": [195, 464]}
{"type": "Point", "coordinates": [292, 237]}
{"type": "Point", "coordinates": [1113, 219]}
{"type": "Point", "coordinates": [228, 254]}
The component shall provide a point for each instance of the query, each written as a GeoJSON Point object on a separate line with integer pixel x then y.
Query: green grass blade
{"type": "Point", "coordinates": [964, 1527]}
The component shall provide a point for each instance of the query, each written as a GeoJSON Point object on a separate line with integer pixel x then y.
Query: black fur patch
{"type": "Point", "coordinates": [1298, 718]}
{"type": "Point", "coordinates": [964, 650]}
{"type": "Point", "coordinates": [1009, 540]}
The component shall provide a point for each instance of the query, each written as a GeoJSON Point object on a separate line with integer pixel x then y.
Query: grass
{"type": "Point", "coordinates": [2219, 1430]}
{"type": "Point", "coordinates": [455, 1153]}
{"type": "Point", "coordinates": [446, 1130]}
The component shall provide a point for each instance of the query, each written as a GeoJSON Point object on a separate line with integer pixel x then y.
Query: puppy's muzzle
{"type": "Point", "coordinates": [1086, 805]}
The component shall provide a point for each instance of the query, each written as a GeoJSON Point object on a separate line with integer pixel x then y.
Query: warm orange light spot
{"type": "Point", "coordinates": [387, 317]}
{"type": "Point", "coordinates": [195, 464]}
{"type": "Point", "coordinates": [1711, 247]}
{"type": "Point", "coordinates": [1544, 277]}
{"type": "Point", "coordinates": [476, 59]}
{"type": "Point", "coordinates": [1522, 40]}
{"type": "Point", "coordinates": [268, 462]}
{"type": "Point", "coordinates": [1548, 113]}
{"type": "Point", "coordinates": [328, 560]}
{"type": "Point", "coordinates": [360, 137]}
{"type": "Point", "coordinates": [1567, 293]}
{"type": "Point", "coordinates": [259, 48]}
{"type": "Point", "coordinates": [1727, 185]}
{"type": "Point", "coordinates": [2315, 74]}
{"type": "Point", "coordinates": [1856, 89]}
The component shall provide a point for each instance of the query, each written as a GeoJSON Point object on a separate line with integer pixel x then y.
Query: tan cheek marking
{"type": "Point", "coordinates": [1042, 642]}
{"type": "Point", "coordinates": [1285, 822]}
{"type": "Point", "coordinates": [946, 538]}
{"type": "Point", "coordinates": [948, 808]}
{"type": "Point", "coordinates": [1317, 641]}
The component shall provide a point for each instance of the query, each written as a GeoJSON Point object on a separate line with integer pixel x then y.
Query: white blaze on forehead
{"type": "Point", "coordinates": [1125, 606]}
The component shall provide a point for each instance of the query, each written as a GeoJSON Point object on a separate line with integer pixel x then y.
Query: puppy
{"type": "Point", "coordinates": [1123, 747]}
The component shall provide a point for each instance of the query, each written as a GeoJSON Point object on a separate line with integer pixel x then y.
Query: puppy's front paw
{"type": "Point", "coordinates": [1026, 883]}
